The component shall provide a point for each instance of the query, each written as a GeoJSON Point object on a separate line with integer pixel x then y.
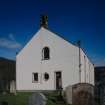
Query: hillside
{"type": "Point", "coordinates": [7, 72]}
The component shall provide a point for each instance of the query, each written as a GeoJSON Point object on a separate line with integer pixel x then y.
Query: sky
{"type": "Point", "coordinates": [73, 19]}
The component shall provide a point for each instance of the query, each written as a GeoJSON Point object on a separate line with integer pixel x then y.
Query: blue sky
{"type": "Point", "coordinates": [73, 19]}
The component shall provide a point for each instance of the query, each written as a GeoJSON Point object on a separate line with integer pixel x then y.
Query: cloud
{"type": "Point", "coordinates": [11, 36]}
{"type": "Point", "coordinates": [10, 43]}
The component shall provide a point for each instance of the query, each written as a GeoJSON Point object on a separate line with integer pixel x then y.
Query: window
{"type": "Point", "coordinates": [34, 77]}
{"type": "Point", "coordinates": [45, 53]}
{"type": "Point", "coordinates": [46, 76]}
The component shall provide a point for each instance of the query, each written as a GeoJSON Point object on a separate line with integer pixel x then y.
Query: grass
{"type": "Point", "coordinates": [19, 99]}
{"type": "Point", "coordinates": [51, 98]}
{"type": "Point", "coordinates": [54, 98]}
{"type": "Point", "coordinates": [22, 98]}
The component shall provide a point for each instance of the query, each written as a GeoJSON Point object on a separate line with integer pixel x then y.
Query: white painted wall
{"type": "Point", "coordinates": [63, 57]}
{"type": "Point", "coordinates": [87, 69]}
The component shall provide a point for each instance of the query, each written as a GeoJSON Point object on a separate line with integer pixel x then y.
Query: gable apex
{"type": "Point", "coordinates": [60, 36]}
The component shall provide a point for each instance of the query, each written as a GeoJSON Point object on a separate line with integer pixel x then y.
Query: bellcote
{"type": "Point", "coordinates": [44, 21]}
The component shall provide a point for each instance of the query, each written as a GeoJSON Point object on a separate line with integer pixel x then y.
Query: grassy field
{"type": "Point", "coordinates": [22, 98]}
{"type": "Point", "coordinates": [19, 99]}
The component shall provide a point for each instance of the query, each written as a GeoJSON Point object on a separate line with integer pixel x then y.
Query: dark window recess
{"type": "Point", "coordinates": [35, 77]}
{"type": "Point", "coordinates": [46, 76]}
{"type": "Point", "coordinates": [46, 53]}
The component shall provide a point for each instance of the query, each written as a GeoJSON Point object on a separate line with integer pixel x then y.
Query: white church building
{"type": "Point", "coordinates": [49, 62]}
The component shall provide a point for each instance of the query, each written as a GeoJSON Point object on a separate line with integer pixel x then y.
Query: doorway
{"type": "Point", "coordinates": [58, 80]}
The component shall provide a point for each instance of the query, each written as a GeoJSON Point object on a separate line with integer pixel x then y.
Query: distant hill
{"type": "Point", "coordinates": [7, 69]}
{"type": "Point", "coordinates": [2, 58]}
{"type": "Point", "coordinates": [7, 72]}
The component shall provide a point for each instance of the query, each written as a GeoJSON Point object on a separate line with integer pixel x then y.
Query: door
{"type": "Point", "coordinates": [58, 80]}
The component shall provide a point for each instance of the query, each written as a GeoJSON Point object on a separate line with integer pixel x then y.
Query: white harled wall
{"type": "Point", "coordinates": [64, 57]}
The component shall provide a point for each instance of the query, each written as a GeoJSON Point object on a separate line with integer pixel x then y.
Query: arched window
{"type": "Point", "coordinates": [46, 53]}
